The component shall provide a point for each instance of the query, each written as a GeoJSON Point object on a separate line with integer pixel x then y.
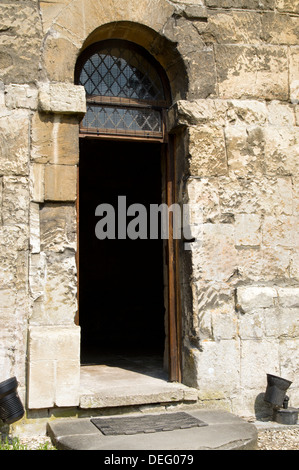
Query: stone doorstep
{"type": "Point", "coordinates": [130, 397]}
{"type": "Point", "coordinates": [224, 431]}
{"type": "Point", "coordinates": [105, 387]}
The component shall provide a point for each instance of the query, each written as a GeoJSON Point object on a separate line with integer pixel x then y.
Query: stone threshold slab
{"type": "Point", "coordinates": [104, 386]}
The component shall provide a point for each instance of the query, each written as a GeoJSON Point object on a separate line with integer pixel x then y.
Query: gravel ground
{"type": "Point", "coordinates": [278, 439]}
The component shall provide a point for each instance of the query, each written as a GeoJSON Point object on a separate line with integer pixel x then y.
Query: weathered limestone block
{"type": "Point", "coordinates": [251, 298]}
{"type": "Point", "coordinates": [214, 257]}
{"type": "Point", "coordinates": [62, 98]}
{"type": "Point", "coordinates": [245, 150]}
{"type": "Point", "coordinates": [289, 360]}
{"type": "Point", "coordinates": [233, 27]}
{"type": "Point", "coordinates": [34, 228]}
{"type": "Point", "coordinates": [60, 183]}
{"type": "Point", "coordinates": [276, 262]}
{"type": "Point", "coordinates": [258, 358]}
{"type": "Point", "coordinates": [15, 200]}
{"type": "Point", "coordinates": [279, 28]}
{"type": "Point", "coordinates": [20, 96]}
{"type": "Point", "coordinates": [254, 72]}
{"type": "Point", "coordinates": [210, 372]}
{"type": "Point", "coordinates": [54, 366]}
{"type": "Point", "coordinates": [288, 297]}
{"type": "Point", "coordinates": [57, 304]}
{"type": "Point", "coordinates": [282, 322]}
{"type": "Point", "coordinates": [250, 4]}
{"type": "Point", "coordinates": [37, 182]}
{"type": "Point", "coordinates": [55, 139]}
{"type": "Point", "coordinates": [224, 323]}
{"type": "Point", "coordinates": [194, 12]}
{"type": "Point", "coordinates": [20, 42]}
{"type": "Point", "coordinates": [281, 230]}
{"type": "Point", "coordinates": [203, 198]}
{"type": "Point", "coordinates": [291, 6]}
{"type": "Point", "coordinates": [294, 265]}
{"type": "Point", "coordinates": [251, 326]}
{"type": "Point", "coordinates": [57, 227]}
{"type": "Point", "coordinates": [281, 115]}
{"type": "Point", "coordinates": [13, 243]}
{"type": "Point", "coordinates": [247, 113]}
{"type": "Point", "coordinates": [281, 150]}
{"type": "Point", "coordinates": [58, 64]}
{"type": "Point", "coordinates": [259, 195]}
{"type": "Point", "coordinates": [207, 151]}
{"type": "Point", "coordinates": [37, 273]}
{"type": "Point", "coordinates": [197, 112]}
{"type": "Point", "coordinates": [14, 148]}
{"type": "Point", "coordinates": [198, 57]}
{"type": "Point", "coordinates": [247, 230]}
{"type": "Point", "coordinates": [294, 76]}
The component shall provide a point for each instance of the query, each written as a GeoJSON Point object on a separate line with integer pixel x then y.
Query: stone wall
{"type": "Point", "coordinates": [242, 165]}
{"type": "Point", "coordinates": [233, 69]}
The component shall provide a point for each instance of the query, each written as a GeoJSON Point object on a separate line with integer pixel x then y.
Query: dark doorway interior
{"type": "Point", "coordinates": [121, 294]}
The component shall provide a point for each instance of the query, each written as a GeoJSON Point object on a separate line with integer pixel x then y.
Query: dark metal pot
{"type": "Point", "coordinates": [276, 390]}
{"type": "Point", "coordinates": [11, 408]}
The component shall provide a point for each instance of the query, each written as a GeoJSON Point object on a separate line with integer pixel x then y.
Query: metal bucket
{"type": "Point", "coordinates": [276, 390]}
{"type": "Point", "coordinates": [11, 408]}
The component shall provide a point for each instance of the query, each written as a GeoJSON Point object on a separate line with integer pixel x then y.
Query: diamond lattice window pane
{"type": "Point", "coordinates": [124, 90]}
{"type": "Point", "coordinates": [125, 119]}
{"type": "Point", "coordinates": [121, 72]}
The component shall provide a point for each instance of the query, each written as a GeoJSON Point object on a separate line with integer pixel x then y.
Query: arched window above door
{"type": "Point", "coordinates": [126, 91]}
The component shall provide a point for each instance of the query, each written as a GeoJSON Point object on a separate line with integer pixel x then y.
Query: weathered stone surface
{"type": "Point", "coordinates": [207, 151]}
{"type": "Point", "coordinates": [215, 257]}
{"type": "Point", "coordinates": [258, 358]}
{"type": "Point", "coordinates": [55, 139]}
{"type": "Point", "coordinates": [20, 96]}
{"type": "Point", "coordinates": [192, 11]}
{"type": "Point", "coordinates": [58, 227]}
{"type": "Point", "coordinates": [281, 150]}
{"type": "Point", "coordinates": [245, 150]}
{"type": "Point", "coordinates": [281, 230]}
{"type": "Point", "coordinates": [253, 72]}
{"type": "Point", "coordinates": [212, 374]}
{"type": "Point", "coordinates": [280, 29]}
{"type": "Point", "coordinates": [20, 42]}
{"type": "Point", "coordinates": [60, 183]}
{"type": "Point", "coordinates": [256, 195]}
{"type": "Point", "coordinates": [197, 112]}
{"type": "Point", "coordinates": [294, 79]}
{"type": "Point", "coordinates": [54, 370]}
{"type": "Point", "coordinates": [233, 27]}
{"type": "Point", "coordinates": [255, 297]}
{"type": "Point", "coordinates": [34, 228]}
{"type": "Point", "coordinates": [57, 302]}
{"type": "Point", "coordinates": [37, 182]}
{"type": "Point", "coordinates": [287, 6]}
{"type": "Point", "coordinates": [248, 230]}
{"type": "Point", "coordinates": [15, 204]}
{"type": "Point", "coordinates": [62, 98]}
{"type": "Point", "coordinates": [14, 146]}
{"type": "Point", "coordinates": [250, 4]}
{"type": "Point", "coordinates": [203, 197]}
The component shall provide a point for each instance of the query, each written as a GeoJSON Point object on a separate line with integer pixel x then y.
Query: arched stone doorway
{"type": "Point", "coordinates": [128, 297]}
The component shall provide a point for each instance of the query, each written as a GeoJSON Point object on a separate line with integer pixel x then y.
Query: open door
{"type": "Point", "coordinates": [128, 288]}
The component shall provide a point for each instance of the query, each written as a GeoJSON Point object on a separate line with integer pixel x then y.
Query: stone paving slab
{"type": "Point", "coordinates": [224, 431]}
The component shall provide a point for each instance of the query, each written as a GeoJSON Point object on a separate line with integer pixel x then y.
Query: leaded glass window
{"type": "Point", "coordinates": [125, 90]}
